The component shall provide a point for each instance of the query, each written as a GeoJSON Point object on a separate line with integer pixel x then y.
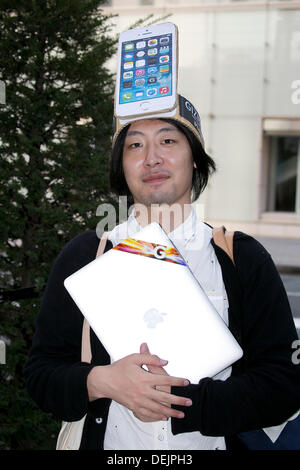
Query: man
{"type": "Point", "coordinates": [162, 165]}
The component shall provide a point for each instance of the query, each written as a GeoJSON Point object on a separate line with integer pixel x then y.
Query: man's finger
{"type": "Point", "coordinates": [154, 369]}
{"type": "Point", "coordinates": [165, 379]}
{"type": "Point", "coordinates": [144, 348]}
{"type": "Point", "coordinates": [145, 359]}
{"type": "Point", "coordinates": [169, 399]}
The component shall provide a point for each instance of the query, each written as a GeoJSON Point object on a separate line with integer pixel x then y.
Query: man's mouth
{"type": "Point", "coordinates": [155, 178]}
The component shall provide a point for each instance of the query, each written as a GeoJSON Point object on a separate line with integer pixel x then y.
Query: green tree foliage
{"type": "Point", "coordinates": [55, 132]}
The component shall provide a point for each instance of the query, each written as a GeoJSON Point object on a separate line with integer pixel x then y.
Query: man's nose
{"type": "Point", "coordinates": [153, 155]}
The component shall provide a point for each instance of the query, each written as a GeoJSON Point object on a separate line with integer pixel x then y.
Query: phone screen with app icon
{"type": "Point", "coordinates": [146, 69]}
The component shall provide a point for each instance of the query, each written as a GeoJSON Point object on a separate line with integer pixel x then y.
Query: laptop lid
{"type": "Point", "coordinates": [143, 291]}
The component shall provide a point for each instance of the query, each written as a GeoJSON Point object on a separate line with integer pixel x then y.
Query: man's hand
{"type": "Point", "coordinates": [155, 369]}
{"type": "Point", "coordinates": [126, 382]}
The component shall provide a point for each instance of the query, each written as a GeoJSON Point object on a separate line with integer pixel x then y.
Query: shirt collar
{"type": "Point", "coordinates": [187, 230]}
{"type": "Point", "coordinates": [132, 223]}
{"type": "Point", "coordinates": [184, 232]}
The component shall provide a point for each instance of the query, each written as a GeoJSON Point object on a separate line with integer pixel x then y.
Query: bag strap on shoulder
{"type": "Point", "coordinates": [224, 240]}
{"type": "Point", "coordinates": [86, 353]}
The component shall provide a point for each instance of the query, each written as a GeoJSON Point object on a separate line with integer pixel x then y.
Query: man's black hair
{"type": "Point", "coordinates": [205, 165]}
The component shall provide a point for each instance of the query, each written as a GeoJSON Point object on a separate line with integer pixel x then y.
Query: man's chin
{"type": "Point", "coordinates": [158, 199]}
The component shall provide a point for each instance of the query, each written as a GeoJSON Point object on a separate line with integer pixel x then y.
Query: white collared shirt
{"type": "Point", "coordinates": [124, 431]}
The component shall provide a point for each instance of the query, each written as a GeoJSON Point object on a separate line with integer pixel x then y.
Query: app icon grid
{"type": "Point", "coordinates": [146, 69]}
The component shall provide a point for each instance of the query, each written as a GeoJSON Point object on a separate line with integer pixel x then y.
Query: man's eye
{"type": "Point", "coordinates": [134, 145]}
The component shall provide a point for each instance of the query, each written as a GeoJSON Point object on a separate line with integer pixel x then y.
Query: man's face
{"type": "Point", "coordinates": [157, 163]}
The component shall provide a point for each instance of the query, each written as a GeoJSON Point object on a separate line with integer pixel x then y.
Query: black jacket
{"type": "Point", "coordinates": [263, 389]}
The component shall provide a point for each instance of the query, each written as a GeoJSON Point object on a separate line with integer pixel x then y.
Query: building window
{"type": "Point", "coordinates": [284, 174]}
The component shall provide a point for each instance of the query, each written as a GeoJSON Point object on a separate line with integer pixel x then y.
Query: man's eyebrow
{"type": "Point", "coordinates": [167, 129]}
{"type": "Point", "coordinates": [130, 133]}
{"type": "Point", "coordinates": [161, 130]}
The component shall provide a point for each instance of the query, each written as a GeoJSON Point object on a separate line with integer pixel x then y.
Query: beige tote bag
{"type": "Point", "coordinates": [70, 434]}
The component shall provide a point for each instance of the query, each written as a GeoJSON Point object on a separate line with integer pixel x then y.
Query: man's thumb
{"type": "Point", "coordinates": [153, 360]}
{"type": "Point", "coordinates": [144, 348]}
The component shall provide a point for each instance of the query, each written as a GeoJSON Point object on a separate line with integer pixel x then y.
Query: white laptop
{"type": "Point", "coordinates": [142, 291]}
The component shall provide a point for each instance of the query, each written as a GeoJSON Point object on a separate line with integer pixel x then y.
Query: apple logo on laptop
{"type": "Point", "coordinates": [152, 317]}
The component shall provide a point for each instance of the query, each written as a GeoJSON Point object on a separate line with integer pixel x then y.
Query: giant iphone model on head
{"type": "Point", "coordinates": [147, 70]}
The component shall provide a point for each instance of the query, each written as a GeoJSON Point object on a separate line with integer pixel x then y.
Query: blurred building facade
{"type": "Point", "coordinates": [239, 64]}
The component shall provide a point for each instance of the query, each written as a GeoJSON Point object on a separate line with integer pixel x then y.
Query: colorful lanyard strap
{"type": "Point", "coordinates": [151, 250]}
